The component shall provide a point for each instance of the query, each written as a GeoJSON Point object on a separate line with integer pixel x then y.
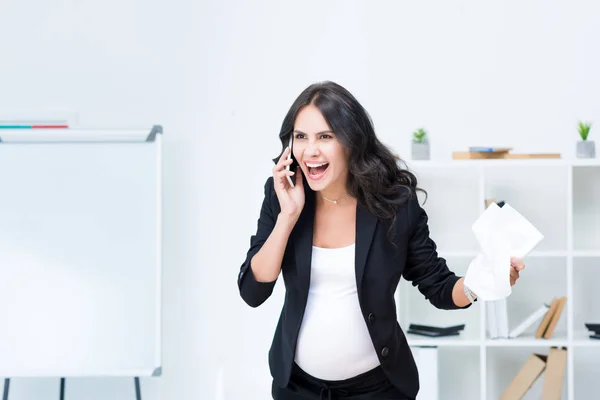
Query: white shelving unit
{"type": "Point", "coordinates": [562, 199]}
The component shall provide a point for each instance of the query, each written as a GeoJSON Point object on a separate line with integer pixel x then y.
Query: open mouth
{"type": "Point", "coordinates": [317, 170]}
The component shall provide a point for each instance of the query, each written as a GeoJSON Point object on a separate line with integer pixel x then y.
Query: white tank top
{"type": "Point", "coordinates": [334, 343]}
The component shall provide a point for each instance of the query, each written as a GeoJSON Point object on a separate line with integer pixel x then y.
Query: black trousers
{"type": "Point", "coordinates": [371, 385]}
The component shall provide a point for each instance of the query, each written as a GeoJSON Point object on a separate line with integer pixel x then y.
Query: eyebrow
{"type": "Point", "coordinates": [318, 133]}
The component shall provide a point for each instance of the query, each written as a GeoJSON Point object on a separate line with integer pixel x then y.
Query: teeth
{"type": "Point", "coordinates": [315, 165]}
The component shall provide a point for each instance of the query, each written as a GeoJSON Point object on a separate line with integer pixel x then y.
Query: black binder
{"type": "Point", "coordinates": [435, 331]}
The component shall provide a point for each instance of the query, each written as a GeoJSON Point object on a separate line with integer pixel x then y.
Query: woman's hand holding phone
{"type": "Point", "coordinates": [291, 199]}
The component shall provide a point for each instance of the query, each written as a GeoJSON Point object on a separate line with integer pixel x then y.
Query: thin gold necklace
{"type": "Point", "coordinates": [334, 201]}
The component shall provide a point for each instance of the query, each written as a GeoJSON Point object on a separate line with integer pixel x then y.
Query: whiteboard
{"type": "Point", "coordinates": [80, 252]}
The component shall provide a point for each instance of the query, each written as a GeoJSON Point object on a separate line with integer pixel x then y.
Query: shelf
{"type": "Point", "coordinates": [551, 162]}
{"type": "Point", "coordinates": [534, 254]}
{"type": "Point", "coordinates": [528, 341]}
{"type": "Point", "coordinates": [581, 338]}
{"type": "Point", "coordinates": [457, 254]}
{"type": "Point", "coordinates": [586, 253]}
{"type": "Point", "coordinates": [448, 341]}
{"type": "Point", "coordinates": [592, 162]}
{"type": "Point", "coordinates": [548, 253]}
{"type": "Point", "coordinates": [562, 199]}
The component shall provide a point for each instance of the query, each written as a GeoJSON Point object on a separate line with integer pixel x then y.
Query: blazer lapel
{"type": "Point", "coordinates": [304, 240]}
{"type": "Point", "coordinates": [365, 229]}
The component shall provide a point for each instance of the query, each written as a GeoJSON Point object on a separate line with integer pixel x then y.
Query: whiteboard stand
{"type": "Point", "coordinates": [80, 254]}
{"type": "Point", "coordinates": [138, 392]}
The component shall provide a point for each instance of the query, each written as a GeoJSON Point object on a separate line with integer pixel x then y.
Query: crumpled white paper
{"type": "Point", "coordinates": [502, 233]}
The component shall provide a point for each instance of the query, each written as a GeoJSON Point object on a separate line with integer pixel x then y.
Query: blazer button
{"type": "Point", "coordinates": [385, 351]}
{"type": "Point", "coordinates": [371, 317]}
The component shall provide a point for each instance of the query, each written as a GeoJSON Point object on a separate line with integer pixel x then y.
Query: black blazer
{"type": "Point", "coordinates": [379, 266]}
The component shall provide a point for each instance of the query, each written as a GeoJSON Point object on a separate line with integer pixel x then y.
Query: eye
{"type": "Point", "coordinates": [326, 136]}
{"type": "Point", "coordinates": [298, 136]}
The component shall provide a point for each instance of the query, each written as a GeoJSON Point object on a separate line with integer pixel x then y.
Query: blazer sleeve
{"type": "Point", "coordinates": [424, 268]}
{"type": "Point", "coordinates": [255, 293]}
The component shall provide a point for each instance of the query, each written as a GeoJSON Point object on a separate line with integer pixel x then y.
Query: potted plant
{"type": "Point", "coordinates": [420, 145]}
{"type": "Point", "coordinates": [585, 148]}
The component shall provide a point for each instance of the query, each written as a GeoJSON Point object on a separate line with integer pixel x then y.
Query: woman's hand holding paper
{"type": "Point", "coordinates": [516, 265]}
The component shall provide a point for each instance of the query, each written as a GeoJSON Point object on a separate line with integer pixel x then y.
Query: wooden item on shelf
{"type": "Point", "coordinates": [539, 333]}
{"type": "Point", "coordinates": [554, 375]}
{"type": "Point", "coordinates": [489, 202]}
{"type": "Point", "coordinates": [553, 367]}
{"type": "Point", "coordinates": [525, 378]}
{"type": "Point", "coordinates": [476, 155]}
{"type": "Point", "coordinates": [548, 324]}
{"type": "Point", "coordinates": [559, 308]}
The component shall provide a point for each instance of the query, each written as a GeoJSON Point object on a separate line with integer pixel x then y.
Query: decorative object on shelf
{"type": "Point", "coordinates": [420, 145]}
{"type": "Point", "coordinates": [585, 148]}
{"type": "Point", "coordinates": [492, 153]}
{"type": "Point", "coordinates": [435, 331]}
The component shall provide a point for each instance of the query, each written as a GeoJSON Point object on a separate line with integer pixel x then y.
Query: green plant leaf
{"type": "Point", "coordinates": [419, 135]}
{"type": "Point", "coordinates": [584, 130]}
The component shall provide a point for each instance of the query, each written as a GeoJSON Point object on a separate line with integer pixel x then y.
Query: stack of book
{"type": "Point", "coordinates": [497, 317]}
{"type": "Point", "coordinates": [435, 331]}
{"type": "Point", "coordinates": [594, 330]}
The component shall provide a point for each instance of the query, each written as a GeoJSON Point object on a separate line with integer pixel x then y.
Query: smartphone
{"type": "Point", "coordinates": [292, 166]}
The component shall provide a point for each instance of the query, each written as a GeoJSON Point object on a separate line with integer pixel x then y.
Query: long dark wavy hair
{"type": "Point", "coordinates": [378, 179]}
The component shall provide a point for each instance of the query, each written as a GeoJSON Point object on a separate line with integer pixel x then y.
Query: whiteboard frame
{"type": "Point", "coordinates": [69, 135]}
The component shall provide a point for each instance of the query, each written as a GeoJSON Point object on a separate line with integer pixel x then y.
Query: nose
{"type": "Point", "coordinates": [312, 150]}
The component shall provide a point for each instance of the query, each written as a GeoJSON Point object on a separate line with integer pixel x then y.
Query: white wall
{"type": "Point", "coordinates": [220, 76]}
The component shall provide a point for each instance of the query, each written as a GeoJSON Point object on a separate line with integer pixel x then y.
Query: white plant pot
{"type": "Point", "coordinates": [420, 151]}
{"type": "Point", "coordinates": [586, 149]}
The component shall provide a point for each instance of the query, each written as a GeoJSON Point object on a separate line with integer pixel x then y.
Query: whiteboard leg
{"type": "Point", "coordinates": [138, 392]}
{"type": "Point", "coordinates": [6, 386]}
{"type": "Point", "coordinates": [62, 389]}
